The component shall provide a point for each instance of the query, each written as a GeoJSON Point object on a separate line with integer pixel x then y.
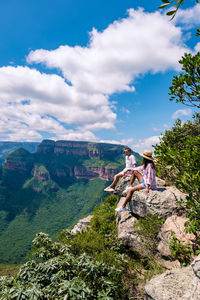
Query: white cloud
{"type": "Point", "coordinates": [144, 144]}
{"type": "Point", "coordinates": [140, 43]}
{"type": "Point", "coordinates": [189, 17]}
{"type": "Point", "coordinates": [125, 110]}
{"type": "Point", "coordinates": [197, 48]}
{"type": "Point", "coordinates": [127, 142]}
{"type": "Point", "coordinates": [182, 112]}
{"type": "Point", "coordinates": [116, 56]}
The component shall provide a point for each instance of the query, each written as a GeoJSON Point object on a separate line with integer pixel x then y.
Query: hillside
{"type": "Point", "coordinates": [8, 147]}
{"type": "Point", "coordinates": [51, 189]}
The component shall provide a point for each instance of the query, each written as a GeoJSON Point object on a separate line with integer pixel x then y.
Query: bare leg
{"type": "Point", "coordinates": [130, 193]}
{"type": "Point", "coordinates": [135, 175]}
{"type": "Point", "coordinates": [116, 179]}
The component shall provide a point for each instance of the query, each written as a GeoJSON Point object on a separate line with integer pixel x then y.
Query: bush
{"type": "Point", "coordinates": [180, 251]}
{"type": "Point", "coordinates": [178, 157]}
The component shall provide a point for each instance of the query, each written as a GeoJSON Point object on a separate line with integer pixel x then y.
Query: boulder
{"type": "Point", "coordinates": [173, 224]}
{"type": "Point", "coordinates": [177, 284]}
{"type": "Point", "coordinates": [82, 225]}
{"type": "Point", "coordinates": [162, 202]}
{"type": "Point", "coordinates": [126, 231]}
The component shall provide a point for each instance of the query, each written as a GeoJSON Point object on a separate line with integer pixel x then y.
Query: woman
{"type": "Point", "coordinates": [146, 176]}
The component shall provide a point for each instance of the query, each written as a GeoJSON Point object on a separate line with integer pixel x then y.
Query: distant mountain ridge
{"type": "Point", "coordinates": [8, 147]}
{"type": "Point", "coordinates": [51, 189]}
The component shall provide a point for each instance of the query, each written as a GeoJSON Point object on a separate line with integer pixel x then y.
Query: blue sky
{"type": "Point", "coordinates": [91, 70]}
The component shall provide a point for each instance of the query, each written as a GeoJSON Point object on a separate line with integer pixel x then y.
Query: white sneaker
{"type": "Point", "coordinates": [109, 190]}
{"type": "Point", "coordinates": [119, 209]}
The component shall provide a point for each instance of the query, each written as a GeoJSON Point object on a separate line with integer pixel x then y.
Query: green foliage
{"type": "Point", "coordinates": [186, 86]}
{"type": "Point", "coordinates": [26, 212]}
{"type": "Point", "coordinates": [8, 147]}
{"type": "Point", "coordinates": [147, 230]}
{"type": "Point", "coordinates": [9, 270]}
{"type": "Point", "coordinates": [60, 271]}
{"type": "Point", "coordinates": [182, 252]}
{"type": "Point", "coordinates": [178, 157]}
{"type": "Point", "coordinates": [91, 265]}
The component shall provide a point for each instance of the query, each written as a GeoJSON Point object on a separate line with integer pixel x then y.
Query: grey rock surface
{"type": "Point", "coordinates": [178, 284]}
{"type": "Point", "coordinates": [126, 231]}
{"type": "Point", "coordinates": [82, 225]}
{"type": "Point", "coordinates": [162, 202]}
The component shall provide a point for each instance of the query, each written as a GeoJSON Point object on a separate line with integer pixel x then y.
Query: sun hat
{"type": "Point", "coordinates": [147, 154]}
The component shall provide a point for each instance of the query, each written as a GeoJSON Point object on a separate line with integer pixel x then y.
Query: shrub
{"type": "Point", "coordinates": [180, 251]}
{"type": "Point", "coordinates": [178, 157]}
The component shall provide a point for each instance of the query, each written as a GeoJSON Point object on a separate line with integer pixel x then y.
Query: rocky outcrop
{"type": "Point", "coordinates": [173, 224]}
{"type": "Point", "coordinates": [179, 284]}
{"type": "Point", "coordinates": [95, 172]}
{"type": "Point", "coordinates": [20, 160]}
{"type": "Point", "coordinates": [40, 173]}
{"type": "Point", "coordinates": [87, 149]}
{"type": "Point", "coordinates": [82, 225]}
{"type": "Point", "coordinates": [162, 202]}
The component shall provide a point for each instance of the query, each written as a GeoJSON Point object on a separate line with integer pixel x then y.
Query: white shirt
{"type": "Point", "coordinates": [130, 161]}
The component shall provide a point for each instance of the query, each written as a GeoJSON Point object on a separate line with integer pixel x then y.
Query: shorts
{"type": "Point", "coordinates": [143, 183]}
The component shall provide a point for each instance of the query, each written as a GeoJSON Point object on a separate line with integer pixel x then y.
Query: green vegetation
{"type": "Point", "coordinates": [182, 252]}
{"type": "Point", "coordinates": [39, 206]}
{"type": "Point", "coordinates": [148, 229]}
{"type": "Point", "coordinates": [178, 157]}
{"type": "Point", "coordinates": [8, 147]}
{"type": "Point", "coordinates": [91, 265]}
{"type": "Point", "coordinates": [9, 270]}
{"type": "Point", "coordinates": [40, 193]}
{"type": "Point", "coordinates": [186, 86]}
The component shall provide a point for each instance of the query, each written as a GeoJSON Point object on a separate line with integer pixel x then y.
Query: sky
{"type": "Point", "coordinates": [92, 70]}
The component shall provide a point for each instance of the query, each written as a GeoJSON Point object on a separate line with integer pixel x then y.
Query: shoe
{"type": "Point", "coordinates": [109, 190]}
{"type": "Point", "coordinates": [119, 209]}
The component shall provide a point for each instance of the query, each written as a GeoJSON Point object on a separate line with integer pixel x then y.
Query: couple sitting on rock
{"type": "Point", "coordinates": [145, 175]}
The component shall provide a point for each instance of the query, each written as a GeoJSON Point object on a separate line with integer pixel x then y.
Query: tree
{"type": "Point", "coordinates": [178, 161]}
{"type": "Point", "coordinates": [186, 86]}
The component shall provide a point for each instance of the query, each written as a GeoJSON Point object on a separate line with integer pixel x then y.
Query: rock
{"type": "Point", "coordinates": [196, 266]}
{"type": "Point", "coordinates": [126, 231]}
{"type": "Point", "coordinates": [40, 173]}
{"type": "Point", "coordinates": [82, 225]}
{"type": "Point", "coordinates": [160, 182]}
{"type": "Point", "coordinates": [173, 224]}
{"type": "Point", "coordinates": [178, 284]}
{"type": "Point", "coordinates": [162, 202]}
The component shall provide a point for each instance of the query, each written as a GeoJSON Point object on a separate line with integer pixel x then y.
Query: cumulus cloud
{"type": "Point", "coordinates": [189, 17]}
{"type": "Point", "coordinates": [33, 102]}
{"type": "Point", "coordinates": [182, 112]}
{"type": "Point", "coordinates": [117, 55]}
{"type": "Point", "coordinates": [144, 144]}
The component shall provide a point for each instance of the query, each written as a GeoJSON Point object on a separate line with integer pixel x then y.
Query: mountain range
{"type": "Point", "coordinates": [49, 188]}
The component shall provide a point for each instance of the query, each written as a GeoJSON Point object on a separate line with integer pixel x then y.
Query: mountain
{"type": "Point", "coordinates": [51, 189]}
{"type": "Point", "coordinates": [8, 147]}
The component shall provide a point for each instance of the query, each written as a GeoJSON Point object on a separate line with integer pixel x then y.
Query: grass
{"type": "Point", "coordinates": [9, 269]}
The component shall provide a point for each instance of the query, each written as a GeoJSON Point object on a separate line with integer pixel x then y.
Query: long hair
{"type": "Point", "coordinates": [148, 161]}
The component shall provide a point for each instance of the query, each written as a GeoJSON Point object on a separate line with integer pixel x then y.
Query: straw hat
{"type": "Point", "coordinates": [147, 154]}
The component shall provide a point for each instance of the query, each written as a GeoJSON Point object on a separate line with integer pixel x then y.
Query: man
{"type": "Point", "coordinates": [130, 164]}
